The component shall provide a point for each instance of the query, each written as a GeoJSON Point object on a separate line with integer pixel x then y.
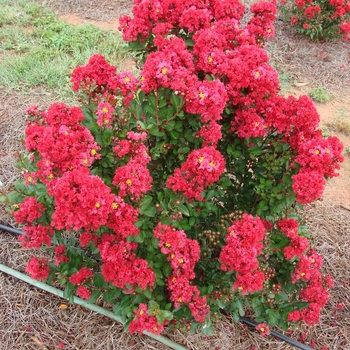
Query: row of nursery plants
{"type": "Point", "coordinates": [318, 19]}
{"type": "Point", "coordinates": [176, 195]}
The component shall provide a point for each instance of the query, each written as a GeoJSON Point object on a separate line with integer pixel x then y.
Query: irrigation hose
{"type": "Point", "coordinates": [11, 230]}
{"type": "Point", "coordinates": [278, 335]}
{"type": "Point", "coordinates": [111, 315]}
{"type": "Point", "coordinates": [82, 302]}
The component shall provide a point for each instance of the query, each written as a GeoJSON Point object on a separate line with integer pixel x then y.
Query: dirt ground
{"type": "Point", "coordinates": [33, 319]}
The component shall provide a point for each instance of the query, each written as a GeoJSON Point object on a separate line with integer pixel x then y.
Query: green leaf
{"type": "Point", "coordinates": [150, 212]}
{"type": "Point", "coordinates": [150, 110]}
{"type": "Point", "coordinates": [99, 281]}
{"type": "Point", "coordinates": [94, 296]}
{"type": "Point", "coordinates": [207, 327]}
{"type": "Point", "coordinates": [192, 221]}
{"type": "Point", "coordinates": [189, 42]}
{"type": "Point", "coordinates": [170, 125]}
{"type": "Point", "coordinates": [167, 269]}
{"type": "Point", "coordinates": [155, 242]}
{"type": "Point", "coordinates": [174, 134]}
{"type": "Point", "coordinates": [153, 305]}
{"type": "Point", "coordinates": [152, 100]}
{"type": "Point", "coordinates": [146, 201]}
{"type": "Point", "coordinates": [183, 209]}
{"type": "Point", "coordinates": [176, 101]}
{"type": "Point", "coordinates": [147, 293]}
{"type": "Point", "coordinates": [284, 296]}
{"type": "Point", "coordinates": [109, 295]}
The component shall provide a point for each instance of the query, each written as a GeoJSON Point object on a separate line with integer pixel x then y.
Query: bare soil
{"type": "Point", "coordinates": [33, 319]}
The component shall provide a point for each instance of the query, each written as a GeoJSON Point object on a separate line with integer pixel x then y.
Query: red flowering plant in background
{"type": "Point", "coordinates": [318, 19]}
{"type": "Point", "coordinates": [177, 194]}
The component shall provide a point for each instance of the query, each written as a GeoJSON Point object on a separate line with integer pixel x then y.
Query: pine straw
{"type": "Point", "coordinates": [29, 315]}
{"type": "Point", "coordinates": [316, 64]}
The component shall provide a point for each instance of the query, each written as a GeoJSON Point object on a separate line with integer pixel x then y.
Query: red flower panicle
{"type": "Point", "coordinates": [81, 276]}
{"type": "Point", "coordinates": [243, 245]}
{"type": "Point", "coordinates": [182, 253]}
{"type": "Point", "coordinates": [81, 201]}
{"type": "Point", "coordinates": [83, 292]}
{"type": "Point", "coordinates": [202, 168]}
{"type": "Point", "coordinates": [29, 211]}
{"type": "Point", "coordinates": [36, 236]}
{"type": "Point", "coordinates": [60, 254]}
{"type": "Point", "coordinates": [145, 322]}
{"type": "Point", "coordinates": [38, 269]}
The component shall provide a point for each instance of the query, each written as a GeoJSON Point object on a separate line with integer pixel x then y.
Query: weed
{"type": "Point", "coordinates": [325, 131]}
{"type": "Point", "coordinates": [320, 94]}
{"type": "Point", "coordinates": [285, 82]}
{"type": "Point", "coordinates": [341, 123]}
{"type": "Point", "coordinates": [347, 151]}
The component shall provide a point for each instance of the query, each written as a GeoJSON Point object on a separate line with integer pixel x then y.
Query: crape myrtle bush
{"type": "Point", "coordinates": [324, 19]}
{"type": "Point", "coordinates": [177, 194]}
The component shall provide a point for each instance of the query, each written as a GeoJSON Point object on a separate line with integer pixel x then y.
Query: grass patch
{"type": "Point", "coordinates": [320, 95]}
{"type": "Point", "coordinates": [37, 49]}
{"type": "Point", "coordinates": [341, 123]}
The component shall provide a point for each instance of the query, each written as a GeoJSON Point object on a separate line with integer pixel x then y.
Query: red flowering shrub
{"type": "Point", "coordinates": [319, 18]}
{"type": "Point", "coordinates": [177, 194]}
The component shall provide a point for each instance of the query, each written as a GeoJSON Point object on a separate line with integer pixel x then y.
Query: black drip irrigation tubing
{"type": "Point", "coordinates": [241, 319]}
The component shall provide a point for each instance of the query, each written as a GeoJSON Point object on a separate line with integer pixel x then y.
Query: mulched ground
{"type": "Point", "coordinates": [33, 319]}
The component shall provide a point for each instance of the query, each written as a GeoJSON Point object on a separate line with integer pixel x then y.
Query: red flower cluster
{"type": "Point", "coordinates": [29, 211]}
{"type": "Point", "coordinates": [122, 219]}
{"type": "Point", "coordinates": [208, 99]}
{"type": "Point", "coordinates": [133, 147]}
{"type": "Point", "coordinates": [60, 254]}
{"type": "Point", "coordinates": [121, 266]}
{"type": "Point", "coordinates": [133, 179]}
{"type": "Point", "coordinates": [311, 11]}
{"type": "Point", "coordinates": [36, 236]}
{"type": "Point", "coordinates": [83, 292]}
{"type": "Point", "coordinates": [191, 15]}
{"type": "Point", "coordinates": [261, 24]}
{"type": "Point", "coordinates": [298, 244]}
{"type": "Point", "coordinates": [81, 276]}
{"type": "Point", "coordinates": [202, 168]}
{"type": "Point", "coordinates": [38, 269]}
{"type": "Point", "coordinates": [81, 201]}
{"type": "Point", "coordinates": [263, 329]}
{"type": "Point", "coordinates": [61, 142]}
{"type": "Point", "coordinates": [171, 66]}
{"type": "Point", "coordinates": [182, 253]}
{"type": "Point", "coordinates": [243, 245]}
{"type": "Point", "coordinates": [315, 292]}
{"type": "Point", "coordinates": [99, 78]}
{"type": "Point", "coordinates": [145, 322]}
{"type": "Point", "coordinates": [319, 158]}
{"type": "Point", "coordinates": [345, 28]}
{"type": "Point", "coordinates": [98, 72]}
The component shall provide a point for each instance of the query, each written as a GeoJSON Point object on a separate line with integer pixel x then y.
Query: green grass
{"type": "Point", "coordinates": [320, 95]}
{"type": "Point", "coordinates": [37, 49]}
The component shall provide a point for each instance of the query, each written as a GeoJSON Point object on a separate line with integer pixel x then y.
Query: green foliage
{"type": "Point", "coordinates": [320, 95]}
